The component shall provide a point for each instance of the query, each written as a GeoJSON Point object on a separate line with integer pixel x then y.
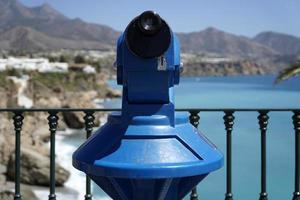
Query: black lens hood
{"type": "Point", "coordinates": [148, 35]}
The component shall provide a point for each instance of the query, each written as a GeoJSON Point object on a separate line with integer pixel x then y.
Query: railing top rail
{"type": "Point", "coordinates": [118, 109]}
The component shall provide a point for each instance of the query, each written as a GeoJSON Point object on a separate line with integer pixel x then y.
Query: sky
{"type": "Point", "coordinates": [241, 17]}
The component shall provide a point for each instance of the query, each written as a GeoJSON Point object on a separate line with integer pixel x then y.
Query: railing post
{"type": "Point", "coordinates": [53, 122]}
{"type": "Point", "coordinates": [194, 120]}
{"type": "Point", "coordinates": [228, 121]}
{"type": "Point", "coordinates": [263, 123]}
{"type": "Point", "coordinates": [18, 122]}
{"type": "Point", "coordinates": [296, 122]}
{"type": "Point", "coordinates": [89, 124]}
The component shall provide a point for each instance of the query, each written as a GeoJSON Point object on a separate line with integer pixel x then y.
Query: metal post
{"type": "Point", "coordinates": [296, 121]}
{"type": "Point", "coordinates": [194, 120]}
{"type": "Point", "coordinates": [263, 123]}
{"type": "Point", "coordinates": [53, 122]}
{"type": "Point", "coordinates": [89, 124]}
{"type": "Point", "coordinates": [228, 121]}
{"type": "Point", "coordinates": [18, 122]}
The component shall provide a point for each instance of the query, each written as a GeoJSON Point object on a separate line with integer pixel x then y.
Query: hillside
{"type": "Point", "coordinates": [282, 43]}
{"type": "Point", "coordinates": [44, 28]}
{"type": "Point", "coordinates": [43, 21]}
{"type": "Point", "coordinates": [212, 40]}
{"type": "Point", "coordinates": [26, 39]}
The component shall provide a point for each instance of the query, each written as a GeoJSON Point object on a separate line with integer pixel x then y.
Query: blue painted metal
{"type": "Point", "coordinates": [146, 151]}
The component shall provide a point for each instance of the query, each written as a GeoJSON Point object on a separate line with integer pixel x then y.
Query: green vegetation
{"type": "Point", "coordinates": [72, 81]}
{"type": "Point", "coordinates": [3, 79]}
{"type": "Point", "coordinates": [13, 72]}
{"type": "Point", "coordinates": [289, 72]}
{"type": "Point", "coordinates": [102, 63]}
{"type": "Point", "coordinates": [105, 62]}
{"type": "Point", "coordinates": [79, 59]}
{"type": "Point", "coordinates": [53, 59]}
{"type": "Point", "coordinates": [4, 82]}
{"type": "Point", "coordinates": [64, 58]}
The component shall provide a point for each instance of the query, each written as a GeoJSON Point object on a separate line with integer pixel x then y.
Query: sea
{"type": "Point", "coordinates": [223, 92]}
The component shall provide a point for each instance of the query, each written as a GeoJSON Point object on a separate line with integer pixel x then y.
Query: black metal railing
{"type": "Point", "coordinates": [229, 118]}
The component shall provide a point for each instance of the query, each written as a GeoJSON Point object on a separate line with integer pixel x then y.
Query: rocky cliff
{"type": "Point", "coordinates": [48, 90]}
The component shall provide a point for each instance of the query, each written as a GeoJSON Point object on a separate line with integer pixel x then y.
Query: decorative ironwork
{"type": "Point", "coordinates": [263, 123]}
{"type": "Point", "coordinates": [296, 122]}
{"type": "Point", "coordinates": [52, 122]}
{"type": "Point", "coordinates": [194, 120]}
{"type": "Point", "coordinates": [18, 123]}
{"type": "Point", "coordinates": [229, 122]}
{"type": "Point", "coordinates": [89, 124]}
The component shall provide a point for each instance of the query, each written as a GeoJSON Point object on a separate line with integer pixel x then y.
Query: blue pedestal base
{"type": "Point", "coordinates": [146, 158]}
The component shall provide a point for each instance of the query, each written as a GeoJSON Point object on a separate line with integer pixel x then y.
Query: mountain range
{"type": "Point", "coordinates": [43, 28]}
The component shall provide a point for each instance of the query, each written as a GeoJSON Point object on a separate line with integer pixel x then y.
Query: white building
{"type": "Point", "coordinates": [32, 64]}
{"type": "Point", "coordinates": [54, 67]}
{"type": "Point", "coordinates": [39, 64]}
{"type": "Point", "coordinates": [89, 69]}
{"type": "Point", "coordinates": [2, 64]}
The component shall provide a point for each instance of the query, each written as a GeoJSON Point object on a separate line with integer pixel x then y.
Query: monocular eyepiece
{"type": "Point", "coordinates": [149, 22]}
{"type": "Point", "coordinates": [148, 35]}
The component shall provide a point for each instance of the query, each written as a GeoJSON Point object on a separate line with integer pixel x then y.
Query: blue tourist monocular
{"type": "Point", "coordinates": [147, 151]}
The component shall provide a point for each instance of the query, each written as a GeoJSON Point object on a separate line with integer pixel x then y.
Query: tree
{"type": "Point", "coordinates": [79, 59]}
{"type": "Point", "coordinates": [291, 71]}
{"type": "Point", "coordinates": [64, 58]}
{"type": "Point", "coordinates": [53, 59]}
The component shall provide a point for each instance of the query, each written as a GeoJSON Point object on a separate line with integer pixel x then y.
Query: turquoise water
{"type": "Point", "coordinates": [246, 92]}
{"type": "Point", "coordinates": [232, 92]}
